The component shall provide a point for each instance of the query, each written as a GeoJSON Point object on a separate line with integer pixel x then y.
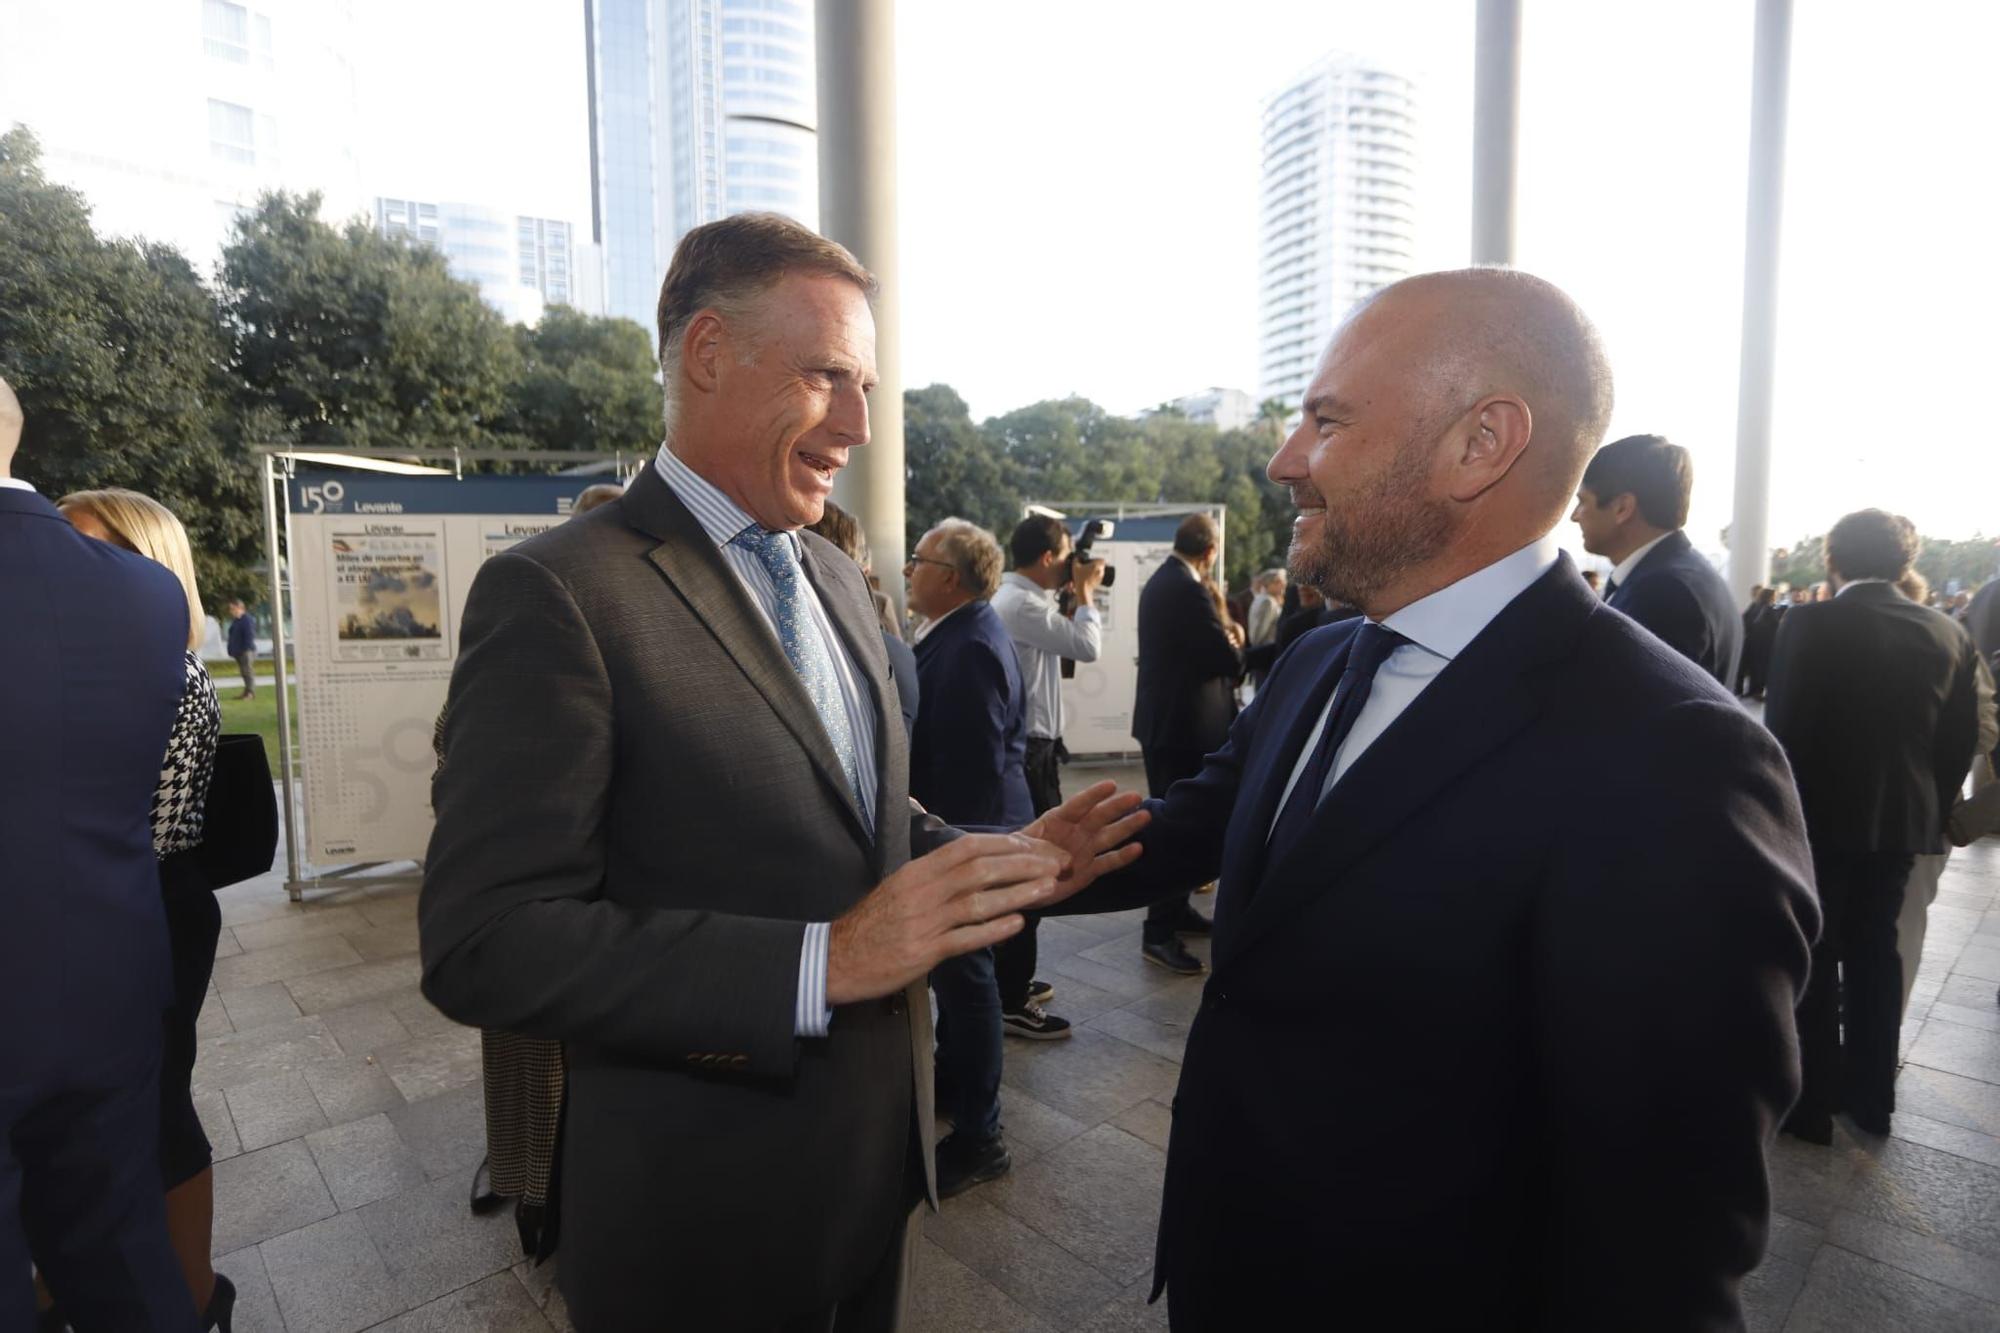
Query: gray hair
{"type": "Point", "coordinates": [973, 552]}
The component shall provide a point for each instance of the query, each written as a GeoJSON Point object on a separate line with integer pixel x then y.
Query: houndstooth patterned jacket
{"type": "Point", "coordinates": [184, 774]}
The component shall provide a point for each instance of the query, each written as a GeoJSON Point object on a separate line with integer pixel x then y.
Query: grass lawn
{"type": "Point", "coordinates": [258, 714]}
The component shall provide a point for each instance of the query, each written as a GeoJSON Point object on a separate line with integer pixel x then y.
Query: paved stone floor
{"type": "Point", "coordinates": [346, 1117]}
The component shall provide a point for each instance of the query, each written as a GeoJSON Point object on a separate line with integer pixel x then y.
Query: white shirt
{"type": "Point", "coordinates": [1438, 627]}
{"type": "Point", "coordinates": [1264, 612]}
{"type": "Point", "coordinates": [1855, 583]}
{"type": "Point", "coordinates": [1631, 562]}
{"type": "Point", "coordinates": [15, 484]}
{"type": "Point", "coordinates": [1043, 636]}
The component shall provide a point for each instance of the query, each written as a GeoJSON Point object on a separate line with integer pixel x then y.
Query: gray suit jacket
{"type": "Point", "coordinates": [637, 812]}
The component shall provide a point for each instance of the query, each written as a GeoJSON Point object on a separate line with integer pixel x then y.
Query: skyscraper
{"type": "Point", "coordinates": [1338, 209]}
{"type": "Point", "coordinates": [520, 264]}
{"type": "Point", "coordinates": [698, 109]}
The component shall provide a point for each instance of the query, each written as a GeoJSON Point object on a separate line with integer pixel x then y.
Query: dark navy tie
{"type": "Point", "coordinates": [1371, 647]}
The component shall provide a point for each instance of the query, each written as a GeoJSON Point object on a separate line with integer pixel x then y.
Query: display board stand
{"type": "Point", "coordinates": [380, 626]}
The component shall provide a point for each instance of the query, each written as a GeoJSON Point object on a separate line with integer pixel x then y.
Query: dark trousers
{"type": "Point", "coordinates": [968, 1036]}
{"type": "Point", "coordinates": [1014, 959]}
{"type": "Point", "coordinates": [1852, 1012]}
{"type": "Point", "coordinates": [80, 1195]}
{"type": "Point", "coordinates": [1164, 768]}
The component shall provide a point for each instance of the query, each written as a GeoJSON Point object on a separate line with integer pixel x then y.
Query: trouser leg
{"type": "Point", "coordinates": [1872, 981]}
{"type": "Point", "coordinates": [1819, 1006]}
{"type": "Point", "coordinates": [969, 1062]}
{"type": "Point", "coordinates": [1163, 769]}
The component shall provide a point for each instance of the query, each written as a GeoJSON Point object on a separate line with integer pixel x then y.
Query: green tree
{"type": "Point", "coordinates": [119, 355]}
{"type": "Point", "coordinates": [352, 338]}
{"type": "Point", "coordinates": [586, 383]}
{"type": "Point", "coordinates": [950, 469]}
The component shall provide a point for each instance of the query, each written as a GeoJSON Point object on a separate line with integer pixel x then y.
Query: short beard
{"type": "Point", "coordinates": [1376, 537]}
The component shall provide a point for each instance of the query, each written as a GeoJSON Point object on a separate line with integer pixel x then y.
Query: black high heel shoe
{"type": "Point", "coordinates": [221, 1305]}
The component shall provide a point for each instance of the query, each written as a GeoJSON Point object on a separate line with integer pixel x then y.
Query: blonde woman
{"type": "Point", "coordinates": [144, 526]}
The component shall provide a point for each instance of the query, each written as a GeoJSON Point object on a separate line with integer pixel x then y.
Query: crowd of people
{"type": "Point", "coordinates": [1526, 934]}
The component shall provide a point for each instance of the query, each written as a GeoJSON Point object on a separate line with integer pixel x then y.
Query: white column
{"type": "Point", "coordinates": [857, 207]}
{"type": "Point", "coordinates": [1750, 525]}
{"type": "Point", "coordinates": [1496, 114]}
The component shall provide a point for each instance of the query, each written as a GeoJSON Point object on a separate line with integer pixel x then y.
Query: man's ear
{"type": "Point", "coordinates": [1622, 507]}
{"type": "Point", "coordinates": [701, 350]}
{"type": "Point", "coordinates": [1486, 443]}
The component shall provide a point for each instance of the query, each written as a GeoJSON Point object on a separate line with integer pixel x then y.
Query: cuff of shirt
{"type": "Point", "coordinates": [1088, 612]}
{"type": "Point", "coordinates": [812, 1018]}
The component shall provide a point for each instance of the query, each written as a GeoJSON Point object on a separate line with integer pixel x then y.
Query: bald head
{"type": "Point", "coordinates": [1474, 332]}
{"type": "Point", "coordinates": [1446, 426]}
{"type": "Point", "coordinates": [10, 427]}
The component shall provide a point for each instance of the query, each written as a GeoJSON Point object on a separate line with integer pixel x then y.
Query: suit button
{"type": "Point", "coordinates": [1216, 999]}
{"type": "Point", "coordinates": [894, 1003]}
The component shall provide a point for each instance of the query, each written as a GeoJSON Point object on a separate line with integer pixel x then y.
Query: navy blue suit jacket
{"type": "Point", "coordinates": [1504, 1038]}
{"type": "Point", "coordinates": [1676, 594]}
{"type": "Point", "coordinates": [92, 661]}
{"type": "Point", "coordinates": [968, 756]}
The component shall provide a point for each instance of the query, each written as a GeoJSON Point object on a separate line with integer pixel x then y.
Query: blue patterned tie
{"type": "Point", "coordinates": [804, 646]}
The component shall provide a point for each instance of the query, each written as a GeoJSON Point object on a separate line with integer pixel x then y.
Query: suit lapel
{"type": "Point", "coordinates": [688, 560]}
{"type": "Point", "coordinates": [1481, 699]}
{"type": "Point", "coordinates": [1264, 782]}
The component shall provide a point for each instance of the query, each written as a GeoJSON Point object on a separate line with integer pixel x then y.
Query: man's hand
{"type": "Point", "coordinates": [1084, 578]}
{"type": "Point", "coordinates": [965, 895]}
{"type": "Point", "coordinates": [1094, 828]}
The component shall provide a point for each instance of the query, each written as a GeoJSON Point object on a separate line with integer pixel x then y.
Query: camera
{"type": "Point", "coordinates": [1092, 531]}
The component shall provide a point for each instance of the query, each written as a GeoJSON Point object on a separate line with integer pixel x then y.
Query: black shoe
{"type": "Point", "coordinates": [1040, 992]}
{"type": "Point", "coordinates": [1035, 1023]}
{"type": "Point", "coordinates": [1187, 921]}
{"type": "Point", "coordinates": [1173, 956]}
{"type": "Point", "coordinates": [221, 1306]}
{"type": "Point", "coordinates": [1812, 1126]}
{"type": "Point", "coordinates": [963, 1161]}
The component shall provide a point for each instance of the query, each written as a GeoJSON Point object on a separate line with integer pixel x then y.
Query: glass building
{"type": "Point", "coordinates": [698, 109]}
{"type": "Point", "coordinates": [1338, 209]}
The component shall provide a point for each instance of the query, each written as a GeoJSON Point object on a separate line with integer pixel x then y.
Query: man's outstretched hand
{"type": "Point", "coordinates": [966, 895]}
{"type": "Point", "coordinates": [1095, 828]}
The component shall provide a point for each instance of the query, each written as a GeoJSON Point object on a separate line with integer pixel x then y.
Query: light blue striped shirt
{"type": "Point", "coordinates": [723, 520]}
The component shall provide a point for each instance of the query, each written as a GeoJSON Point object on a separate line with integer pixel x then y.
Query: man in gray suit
{"type": "Point", "coordinates": [674, 833]}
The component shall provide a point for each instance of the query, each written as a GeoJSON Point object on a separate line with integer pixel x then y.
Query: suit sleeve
{"type": "Point", "coordinates": [1184, 842]}
{"type": "Point", "coordinates": [1959, 726]}
{"type": "Point", "coordinates": [515, 931]}
{"type": "Point", "coordinates": [1670, 948]}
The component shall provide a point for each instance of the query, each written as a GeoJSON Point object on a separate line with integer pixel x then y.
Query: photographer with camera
{"type": "Point", "coordinates": [1044, 633]}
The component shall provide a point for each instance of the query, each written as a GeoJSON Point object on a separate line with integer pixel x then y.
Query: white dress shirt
{"type": "Point", "coordinates": [1630, 563]}
{"type": "Point", "coordinates": [1438, 628]}
{"type": "Point", "coordinates": [724, 520]}
{"type": "Point", "coordinates": [1043, 636]}
{"type": "Point", "coordinates": [1845, 584]}
{"type": "Point", "coordinates": [15, 484]}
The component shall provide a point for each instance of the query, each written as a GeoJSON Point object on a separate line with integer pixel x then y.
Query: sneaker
{"type": "Point", "coordinates": [1040, 992]}
{"type": "Point", "coordinates": [963, 1161]}
{"type": "Point", "coordinates": [1035, 1023]}
{"type": "Point", "coordinates": [1173, 956]}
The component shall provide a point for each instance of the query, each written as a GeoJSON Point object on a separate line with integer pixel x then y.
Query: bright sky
{"type": "Point", "coordinates": [1079, 202]}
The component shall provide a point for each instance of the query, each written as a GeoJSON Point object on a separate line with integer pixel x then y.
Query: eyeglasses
{"type": "Point", "coordinates": [916, 559]}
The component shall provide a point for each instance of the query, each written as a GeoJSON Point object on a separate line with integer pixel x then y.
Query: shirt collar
{"type": "Point", "coordinates": [16, 484]}
{"type": "Point", "coordinates": [720, 517]}
{"type": "Point", "coordinates": [1631, 562]}
{"type": "Point", "coordinates": [1014, 578]}
{"type": "Point", "coordinates": [1855, 583]}
{"type": "Point", "coordinates": [1452, 617]}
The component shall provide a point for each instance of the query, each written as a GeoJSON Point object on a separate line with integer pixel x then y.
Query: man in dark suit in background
{"type": "Point", "coordinates": [92, 660]}
{"type": "Point", "coordinates": [1500, 1022]}
{"type": "Point", "coordinates": [1190, 659]}
{"type": "Point", "coordinates": [1873, 698]}
{"type": "Point", "coordinates": [967, 767]}
{"type": "Point", "coordinates": [840, 527]}
{"type": "Point", "coordinates": [674, 833]}
{"type": "Point", "coordinates": [1632, 506]}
